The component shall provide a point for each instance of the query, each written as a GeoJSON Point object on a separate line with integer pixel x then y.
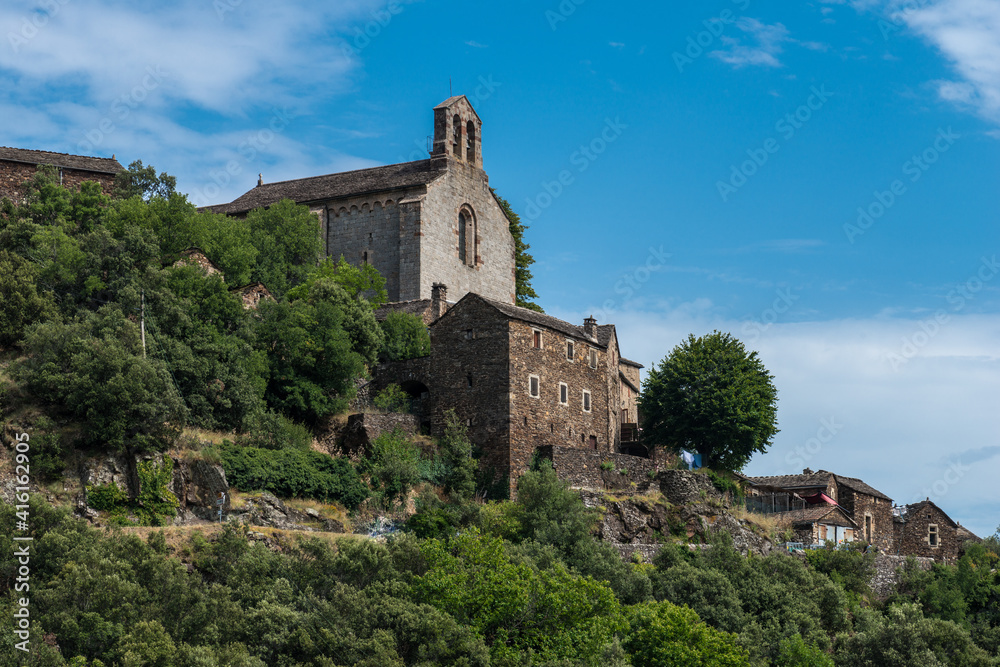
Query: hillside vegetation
{"type": "Point", "coordinates": [109, 347]}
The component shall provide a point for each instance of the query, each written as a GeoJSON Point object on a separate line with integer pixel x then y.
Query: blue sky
{"type": "Point", "coordinates": [820, 179]}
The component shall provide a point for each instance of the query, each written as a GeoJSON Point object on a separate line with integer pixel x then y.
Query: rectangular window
{"type": "Point", "coordinates": [569, 350]}
{"type": "Point", "coordinates": [536, 340]}
{"type": "Point", "coordinates": [593, 442]}
{"type": "Point", "coordinates": [469, 334]}
{"type": "Point", "coordinates": [533, 388]}
{"type": "Point", "coordinates": [932, 535]}
{"type": "Point", "coordinates": [563, 393]}
{"type": "Point", "coordinates": [868, 528]}
{"type": "Point", "coordinates": [822, 533]}
{"type": "Point", "coordinates": [586, 401]}
{"type": "Point", "coordinates": [593, 358]}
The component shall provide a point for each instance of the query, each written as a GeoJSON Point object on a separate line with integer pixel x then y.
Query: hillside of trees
{"type": "Point", "coordinates": [107, 346]}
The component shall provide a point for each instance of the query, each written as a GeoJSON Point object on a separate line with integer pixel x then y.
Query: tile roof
{"type": "Point", "coordinates": [817, 479]}
{"type": "Point", "coordinates": [333, 186]}
{"type": "Point", "coordinates": [815, 514]}
{"type": "Point", "coordinates": [101, 165]}
{"type": "Point", "coordinates": [539, 319]}
{"type": "Point", "coordinates": [629, 362]}
{"type": "Point", "coordinates": [907, 510]}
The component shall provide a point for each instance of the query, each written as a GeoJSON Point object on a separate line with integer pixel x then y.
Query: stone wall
{"type": "Point", "coordinates": [492, 273]}
{"type": "Point", "coordinates": [582, 468]}
{"type": "Point", "coordinates": [683, 487]}
{"type": "Point", "coordinates": [365, 427]}
{"type": "Point", "coordinates": [366, 230]}
{"type": "Point", "coordinates": [913, 536]}
{"type": "Point", "coordinates": [545, 420]}
{"type": "Point", "coordinates": [860, 506]}
{"type": "Point", "coordinates": [14, 174]}
{"type": "Point", "coordinates": [886, 576]}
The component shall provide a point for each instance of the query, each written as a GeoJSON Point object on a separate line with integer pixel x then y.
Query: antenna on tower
{"type": "Point", "coordinates": [450, 94]}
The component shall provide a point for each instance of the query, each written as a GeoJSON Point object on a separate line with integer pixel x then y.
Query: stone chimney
{"type": "Point", "coordinates": [439, 299]}
{"type": "Point", "coordinates": [807, 471]}
{"type": "Point", "coordinates": [590, 327]}
{"type": "Point", "coordinates": [260, 180]}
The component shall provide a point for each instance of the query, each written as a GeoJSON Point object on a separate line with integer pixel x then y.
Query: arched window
{"type": "Point", "coordinates": [462, 238]}
{"type": "Point", "coordinates": [457, 142]}
{"type": "Point", "coordinates": [468, 236]}
{"type": "Point", "coordinates": [470, 132]}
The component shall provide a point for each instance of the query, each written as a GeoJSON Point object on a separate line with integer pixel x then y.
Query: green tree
{"type": "Point", "coordinates": [360, 282]}
{"type": "Point", "coordinates": [455, 450]}
{"type": "Point", "coordinates": [20, 302]}
{"type": "Point", "coordinates": [358, 318]}
{"type": "Point", "coordinates": [406, 337]}
{"type": "Point", "coordinates": [662, 634]}
{"type": "Point", "coordinates": [140, 181]}
{"type": "Point", "coordinates": [287, 238]}
{"type": "Point", "coordinates": [523, 291]}
{"type": "Point", "coordinates": [711, 396]}
{"type": "Point", "coordinates": [393, 465]}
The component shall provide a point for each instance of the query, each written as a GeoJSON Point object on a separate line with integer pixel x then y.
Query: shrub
{"type": "Point", "coordinates": [106, 497]}
{"type": "Point", "coordinates": [725, 484]}
{"type": "Point", "coordinates": [607, 466]}
{"type": "Point", "coordinates": [392, 399]}
{"type": "Point", "coordinates": [271, 430]}
{"type": "Point", "coordinates": [291, 473]}
{"type": "Point", "coordinates": [394, 466]}
{"type": "Point", "coordinates": [406, 337]}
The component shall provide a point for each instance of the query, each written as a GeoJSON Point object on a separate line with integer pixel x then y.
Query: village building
{"type": "Point", "coordinates": [924, 529]}
{"type": "Point", "coordinates": [519, 380]}
{"type": "Point", "coordinates": [868, 508]}
{"type": "Point", "coordinates": [18, 165]}
{"type": "Point", "coordinates": [251, 295]}
{"type": "Point", "coordinates": [196, 257]}
{"type": "Point", "coordinates": [819, 524]}
{"type": "Point", "coordinates": [433, 220]}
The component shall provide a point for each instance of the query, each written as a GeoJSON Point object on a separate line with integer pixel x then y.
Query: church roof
{"type": "Point", "coordinates": [101, 165]}
{"type": "Point", "coordinates": [334, 186]}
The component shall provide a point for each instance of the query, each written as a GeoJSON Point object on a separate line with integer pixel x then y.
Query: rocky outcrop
{"type": "Point", "coordinates": [268, 511]}
{"type": "Point", "coordinates": [643, 523]}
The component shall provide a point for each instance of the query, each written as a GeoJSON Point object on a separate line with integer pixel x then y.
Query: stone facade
{"type": "Point", "coordinates": [418, 223]}
{"type": "Point", "coordinates": [520, 380]}
{"type": "Point", "coordinates": [197, 257]}
{"type": "Point", "coordinates": [594, 470]}
{"type": "Point", "coordinates": [251, 295]}
{"type": "Point", "coordinates": [923, 529]}
{"type": "Point", "coordinates": [20, 165]}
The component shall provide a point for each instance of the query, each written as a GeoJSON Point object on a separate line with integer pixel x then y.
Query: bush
{"type": "Point", "coordinates": [291, 473]}
{"type": "Point", "coordinates": [394, 466]}
{"type": "Point", "coordinates": [392, 399]}
{"type": "Point", "coordinates": [275, 431]}
{"type": "Point", "coordinates": [725, 484]}
{"type": "Point", "coordinates": [406, 337]}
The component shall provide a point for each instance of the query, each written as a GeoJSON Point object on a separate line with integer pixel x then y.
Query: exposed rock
{"type": "Point", "coordinates": [685, 487]}
{"type": "Point", "coordinates": [198, 485]}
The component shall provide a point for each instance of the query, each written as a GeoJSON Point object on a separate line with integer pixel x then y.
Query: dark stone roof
{"type": "Point", "coordinates": [915, 508]}
{"type": "Point", "coordinates": [100, 165]}
{"type": "Point", "coordinates": [815, 514]}
{"type": "Point", "coordinates": [820, 478]}
{"type": "Point", "coordinates": [629, 362]}
{"type": "Point", "coordinates": [628, 382]}
{"type": "Point", "coordinates": [539, 319]}
{"type": "Point", "coordinates": [334, 186]}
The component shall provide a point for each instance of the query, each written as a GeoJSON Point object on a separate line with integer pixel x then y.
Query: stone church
{"type": "Point", "coordinates": [519, 380]}
{"type": "Point", "coordinates": [433, 220]}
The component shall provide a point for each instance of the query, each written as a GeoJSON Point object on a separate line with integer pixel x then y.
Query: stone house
{"type": "Point", "coordinates": [520, 380]}
{"type": "Point", "coordinates": [251, 295]}
{"type": "Point", "coordinates": [924, 529]}
{"type": "Point", "coordinates": [818, 524]}
{"type": "Point", "coordinates": [18, 165]}
{"type": "Point", "coordinates": [867, 507]}
{"type": "Point", "coordinates": [197, 257]}
{"type": "Point", "coordinates": [433, 220]}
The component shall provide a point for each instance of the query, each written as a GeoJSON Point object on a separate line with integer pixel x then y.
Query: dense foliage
{"type": "Point", "coordinates": [523, 291]}
{"type": "Point", "coordinates": [711, 396]}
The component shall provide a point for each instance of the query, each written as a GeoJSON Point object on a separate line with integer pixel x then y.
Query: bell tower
{"type": "Point", "coordinates": [458, 132]}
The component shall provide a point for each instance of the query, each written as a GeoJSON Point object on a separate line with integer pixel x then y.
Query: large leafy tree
{"type": "Point", "coordinates": [523, 290]}
{"type": "Point", "coordinates": [711, 396]}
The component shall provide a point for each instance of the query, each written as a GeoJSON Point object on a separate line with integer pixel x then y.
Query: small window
{"type": "Point", "coordinates": [552, 428]}
{"type": "Point", "coordinates": [533, 388]}
{"type": "Point", "coordinates": [569, 350]}
{"type": "Point", "coordinates": [593, 358]}
{"type": "Point", "coordinates": [932, 535]}
{"type": "Point", "coordinates": [468, 379]}
{"type": "Point", "coordinates": [469, 334]}
{"type": "Point", "coordinates": [593, 442]}
{"type": "Point", "coordinates": [563, 393]}
{"type": "Point", "coordinates": [586, 401]}
{"type": "Point", "coordinates": [536, 339]}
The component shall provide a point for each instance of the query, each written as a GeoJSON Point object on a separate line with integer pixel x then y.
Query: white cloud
{"type": "Point", "coordinates": [967, 33]}
{"type": "Point", "coordinates": [898, 429]}
{"type": "Point", "coordinates": [766, 44]}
